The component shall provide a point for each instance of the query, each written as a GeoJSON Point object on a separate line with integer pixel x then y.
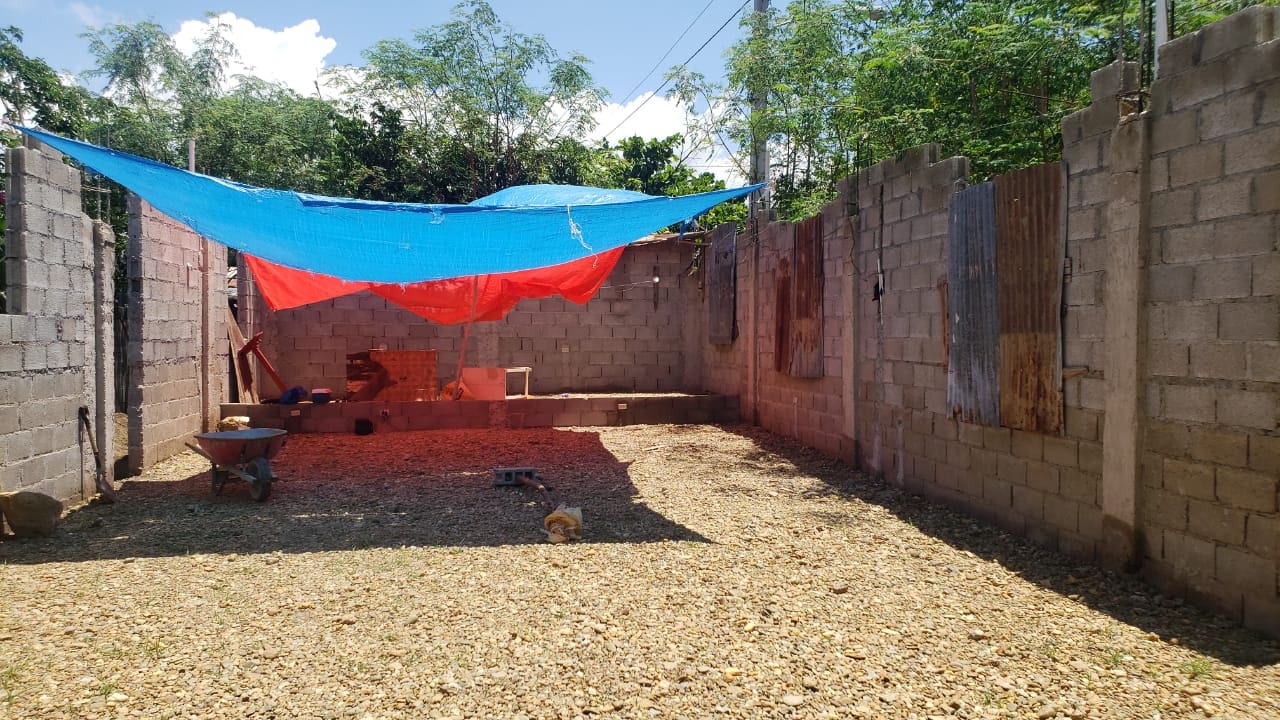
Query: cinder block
{"type": "Point", "coordinates": [1079, 486]}
{"type": "Point", "coordinates": [1258, 320]}
{"type": "Point", "coordinates": [1248, 408]}
{"type": "Point", "coordinates": [1224, 199]}
{"type": "Point", "coordinates": [1219, 446]}
{"type": "Point", "coordinates": [1188, 402]}
{"type": "Point", "coordinates": [1247, 490]}
{"type": "Point", "coordinates": [1165, 509]}
{"type": "Point", "coordinates": [1225, 361]}
{"type": "Point", "coordinates": [1246, 571]}
{"type": "Point", "coordinates": [1263, 361]}
{"type": "Point", "coordinates": [1173, 207]}
{"type": "Point", "coordinates": [1216, 522]}
{"type": "Point", "coordinates": [1244, 29]}
{"type": "Point", "coordinates": [1170, 283]}
{"type": "Point", "coordinates": [1253, 151]}
{"type": "Point", "coordinates": [1196, 163]}
{"type": "Point", "coordinates": [1167, 359]}
{"type": "Point", "coordinates": [1266, 276]}
{"type": "Point", "coordinates": [1262, 535]}
{"type": "Point", "coordinates": [1011, 469]}
{"type": "Point", "coordinates": [1189, 556]}
{"type": "Point", "coordinates": [1223, 279]}
{"type": "Point", "coordinates": [1266, 192]}
{"type": "Point", "coordinates": [1173, 130]}
{"type": "Point", "coordinates": [1193, 480]}
{"type": "Point", "coordinates": [1061, 451]}
{"type": "Point", "coordinates": [1232, 114]}
{"type": "Point", "coordinates": [1061, 512]}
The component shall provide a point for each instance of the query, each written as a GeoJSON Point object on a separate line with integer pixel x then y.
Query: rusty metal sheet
{"type": "Point", "coordinates": [722, 289]}
{"type": "Point", "coordinates": [806, 307]}
{"type": "Point", "coordinates": [782, 317]}
{"type": "Point", "coordinates": [973, 323]}
{"type": "Point", "coordinates": [1030, 212]}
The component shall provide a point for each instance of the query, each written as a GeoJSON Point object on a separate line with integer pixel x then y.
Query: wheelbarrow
{"type": "Point", "coordinates": [245, 454]}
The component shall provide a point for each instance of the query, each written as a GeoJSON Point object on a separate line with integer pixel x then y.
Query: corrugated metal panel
{"type": "Point", "coordinates": [1030, 247]}
{"type": "Point", "coordinates": [973, 345]}
{"type": "Point", "coordinates": [806, 325]}
{"type": "Point", "coordinates": [722, 287]}
{"type": "Point", "coordinates": [782, 324]}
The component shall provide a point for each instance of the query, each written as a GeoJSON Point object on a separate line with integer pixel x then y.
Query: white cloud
{"type": "Point", "coordinates": [90, 15]}
{"type": "Point", "coordinates": [293, 56]}
{"type": "Point", "coordinates": [660, 117]}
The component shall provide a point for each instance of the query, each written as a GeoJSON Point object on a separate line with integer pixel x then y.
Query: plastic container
{"type": "Point", "coordinates": [320, 396]}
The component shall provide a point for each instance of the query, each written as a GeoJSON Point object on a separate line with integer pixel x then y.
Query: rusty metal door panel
{"type": "Point", "coordinates": [1030, 212]}
{"type": "Point", "coordinates": [973, 323]}
{"type": "Point", "coordinates": [722, 290]}
{"type": "Point", "coordinates": [807, 281]}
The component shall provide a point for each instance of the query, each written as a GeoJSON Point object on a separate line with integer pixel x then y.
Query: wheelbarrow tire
{"type": "Point", "coordinates": [260, 486]}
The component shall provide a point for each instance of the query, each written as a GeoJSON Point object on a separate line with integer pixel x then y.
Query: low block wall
{"type": "Point", "coordinates": [513, 413]}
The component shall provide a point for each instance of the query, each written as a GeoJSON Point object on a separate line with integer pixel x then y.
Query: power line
{"type": "Point", "coordinates": [658, 64]}
{"type": "Point", "coordinates": [686, 62]}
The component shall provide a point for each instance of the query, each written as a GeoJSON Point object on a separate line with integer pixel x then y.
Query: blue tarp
{"type": "Point", "coordinates": [519, 228]}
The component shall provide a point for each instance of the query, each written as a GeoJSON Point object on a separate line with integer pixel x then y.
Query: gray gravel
{"type": "Point", "coordinates": [723, 573]}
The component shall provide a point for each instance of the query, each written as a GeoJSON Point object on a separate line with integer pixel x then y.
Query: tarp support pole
{"type": "Point", "coordinates": [466, 334]}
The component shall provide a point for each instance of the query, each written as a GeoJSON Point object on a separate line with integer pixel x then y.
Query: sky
{"type": "Point", "coordinates": [292, 42]}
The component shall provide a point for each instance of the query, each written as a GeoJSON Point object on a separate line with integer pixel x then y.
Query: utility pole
{"type": "Point", "coordinates": [759, 141]}
{"type": "Point", "coordinates": [1162, 34]}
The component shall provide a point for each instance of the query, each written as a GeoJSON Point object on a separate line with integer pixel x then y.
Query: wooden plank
{"type": "Point", "coordinates": [235, 338]}
{"type": "Point", "coordinates": [1030, 212]}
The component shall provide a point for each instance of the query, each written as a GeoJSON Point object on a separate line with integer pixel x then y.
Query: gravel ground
{"type": "Point", "coordinates": [724, 572]}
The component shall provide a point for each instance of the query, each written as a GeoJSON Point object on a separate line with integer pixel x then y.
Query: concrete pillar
{"type": "Point", "coordinates": [1124, 293]}
{"type": "Point", "coordinates": [104, 293]}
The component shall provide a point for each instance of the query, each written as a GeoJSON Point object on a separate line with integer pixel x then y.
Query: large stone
{"type": "Point", "coordinates": [30, 514]}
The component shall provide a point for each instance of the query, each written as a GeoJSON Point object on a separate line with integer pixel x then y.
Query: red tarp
{"type": "Point", "coordinates": [442, 301]}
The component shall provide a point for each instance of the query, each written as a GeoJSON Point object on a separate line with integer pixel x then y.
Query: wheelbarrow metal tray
{"type": "Point", "coordinates": [237, 446]}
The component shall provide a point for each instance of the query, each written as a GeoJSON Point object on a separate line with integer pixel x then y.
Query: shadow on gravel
{"type": "Point", "coordinates": [344, 492]}
{"type": "Point", "coordinates": [1124, 597]}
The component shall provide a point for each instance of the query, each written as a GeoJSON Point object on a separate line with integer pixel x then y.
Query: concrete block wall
{"type": "Point", "coordinates": [48, 340]}
{"type": "Point", "coordinates": [1211, 459]}
{"type": "Point", "coordinates": [1044, 487]}
{"type": "Point", "coordinates": [619, 341]}
{"type": "Point", "coordinates": [177, 335]}
{"type": "Point", "coordinates": [811, 410]}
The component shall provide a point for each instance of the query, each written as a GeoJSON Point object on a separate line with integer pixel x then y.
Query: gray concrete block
{"type": "Point", "coordinates": [1253, 151]}
{"type": "Point", "coordinates": [1176, 207]}
{"type": "Point", "coordinates": [1263, 362]}
{"type": "Point", "coordinates": [1168, 283]}
{"type": "Point", "coordinates": [1179, 55]}
{"type": "Point", "coordinates": [1228, 116]}
{"type": "Point", "coordinates": [1172, 131]}
{"type": "Point", "coordinates": [1189, 403]}
{"type": "Point", "coordinates": [1223, 199]}
{"type": "Point", "coordinates": [1266, 192]}
{"type": "Point", "coordinates": [1246, 28]}
{"type": "Point", "coordinates": [1223, 279]}
{"type": "Point", "coordinates": [1248, 408]}
{"type": "Point", "coordinates": [1225, 361]}
{"type": "Point", "coordinates": [1195, 163]}
{"type": "Point", "coordinates": [1256, 320]}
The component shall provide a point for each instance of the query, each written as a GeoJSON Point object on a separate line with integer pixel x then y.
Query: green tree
{"type": "Point", "coordinates": [487, 106]}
